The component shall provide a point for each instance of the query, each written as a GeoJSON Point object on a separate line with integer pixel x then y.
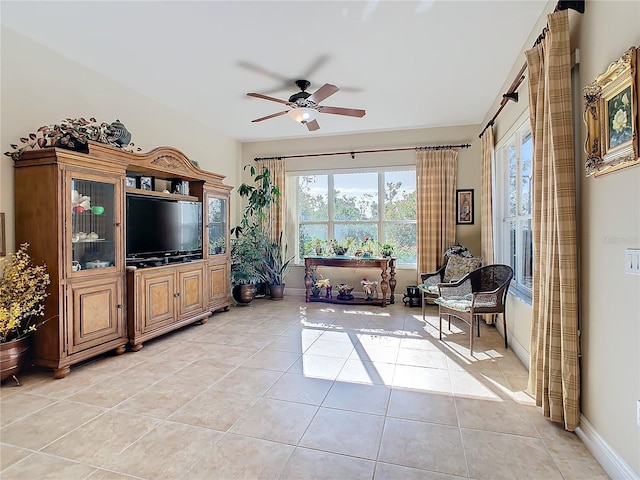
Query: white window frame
{"type": "Point", "coordinates": [292, 217]}
{"type": "Point", "coordinates": [502, 217]}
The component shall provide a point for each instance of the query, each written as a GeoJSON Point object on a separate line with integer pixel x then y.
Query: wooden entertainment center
{"type": "Point", "coordinates": [71, 209]}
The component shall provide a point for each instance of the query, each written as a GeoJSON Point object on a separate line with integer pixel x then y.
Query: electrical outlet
{"type": "Point", "coordinates": [638, 412]}
{"type": "Point", "coordinates": [632, 261]}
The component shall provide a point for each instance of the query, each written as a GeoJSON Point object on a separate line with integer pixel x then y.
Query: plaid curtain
{"type": "Point", "coordinates": [275, 223]}
{"type": "Point", "coordinates": [486, 202]}
{"type": "Point", "coordinates": [436, 172]}
{"type": "Point", "coordinates": [554, 374]}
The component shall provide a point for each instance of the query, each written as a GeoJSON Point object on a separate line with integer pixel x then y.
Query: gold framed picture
{"type": "Point", "coordinates": [464, 207]}
{"type": "Point", "coordinates": [611, 117]}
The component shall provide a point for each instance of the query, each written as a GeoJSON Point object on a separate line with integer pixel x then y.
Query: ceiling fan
{"type": "Point", "coordinates": [304, 106]}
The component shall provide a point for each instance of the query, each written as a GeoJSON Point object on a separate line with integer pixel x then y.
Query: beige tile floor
{"type": "Point", "coordinates": [288, 390]}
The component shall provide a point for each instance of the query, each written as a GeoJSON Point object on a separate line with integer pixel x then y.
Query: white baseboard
{"type": "Point", "coordinates": [610, 461]}
{"type": "Point", "coordinates": [515, 345]}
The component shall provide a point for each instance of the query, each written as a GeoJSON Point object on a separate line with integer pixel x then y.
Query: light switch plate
{"type": "Point", "coordinates": [632, 261]}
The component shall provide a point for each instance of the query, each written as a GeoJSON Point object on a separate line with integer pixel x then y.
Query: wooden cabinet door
{"type": "Point", "coordinates": [95, 313]}
{"type": "Point", "coordinates": [190, 291]}
{"type": "Point", "coordinates": [93, 233]}
{"type": "Point", "coordinates": [158, 300]}
{"type": "Point", "coordinates": [218, 282]}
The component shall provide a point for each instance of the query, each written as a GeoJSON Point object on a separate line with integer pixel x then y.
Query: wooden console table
{"type": "Point", "coordinates": [386, 265]}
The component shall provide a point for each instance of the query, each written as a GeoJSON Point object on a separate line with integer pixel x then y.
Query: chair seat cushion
{"type": "Point", "coordinates": [462, 304]}
{"type": "Point", "coordinates": [457, 267]}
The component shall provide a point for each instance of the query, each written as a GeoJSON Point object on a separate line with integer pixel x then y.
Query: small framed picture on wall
{"type": "Point", "coordinates": [130, 182]}
{"type": "Point", "coordinates": [464, 207]}
{"type": "Point", "coordinates": [146, 183]}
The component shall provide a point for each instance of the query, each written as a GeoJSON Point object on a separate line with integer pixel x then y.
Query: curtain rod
{"type": "Point", "coordinates": [354, 152]}
{"type": "Point", "coordinates": [512, 93]}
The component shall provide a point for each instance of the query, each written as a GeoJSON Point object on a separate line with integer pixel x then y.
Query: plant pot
{"type": "Point", "coordinates": [277, 292]}
{"type": "Point", "coordinates": [12, 357]}
{"type": "Point", "coordinates": [244, 294]}
{"type": "Point", "coordinates": [261, 289]}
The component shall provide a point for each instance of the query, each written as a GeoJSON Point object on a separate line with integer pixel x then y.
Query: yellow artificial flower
{"type": "Point", "coordinates": [23, 288]}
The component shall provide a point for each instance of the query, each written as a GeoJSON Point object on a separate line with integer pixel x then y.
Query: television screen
{"type": "Point", "coordinates": [161, 226]}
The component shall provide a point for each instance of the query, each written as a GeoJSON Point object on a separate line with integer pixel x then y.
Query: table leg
{"type": "Point", "coordinates": [392, 281]}
{"type": "Point", "coordinates": [384, 285]}
{"type": "Point", "coordinates": [307, 281]}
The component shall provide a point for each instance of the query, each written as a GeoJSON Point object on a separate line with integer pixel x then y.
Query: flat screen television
{"type": "Point", "coordinates": [162, 227]}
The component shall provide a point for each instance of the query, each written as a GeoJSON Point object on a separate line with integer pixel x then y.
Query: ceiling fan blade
{"type": "Point", "coordinates": [349, 112]}
{"type": "Point", "coordinates": [266, 97]}
{"type": "Point", "coordinates": [312, 125]}
{"type": "Point", "coordinates": [273, 115]}
{"type": "Point", "coordinates": [323, 92]}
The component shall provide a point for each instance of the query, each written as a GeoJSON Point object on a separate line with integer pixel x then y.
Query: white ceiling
{"type": "Point", "coordinates": [409, 64]}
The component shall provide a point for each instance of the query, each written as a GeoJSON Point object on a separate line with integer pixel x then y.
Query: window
{"type": "Point", "coordinates": [380, 205]}
{"type": "Point", "coordinates": [514, 240]}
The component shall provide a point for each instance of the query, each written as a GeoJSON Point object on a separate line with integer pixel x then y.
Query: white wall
{"type": "Point", "coordinates": [609, 222]}
{"type": "Point", "coordinates": [40, 87]}
{"type": "Point", "coordinates": [468, 176]}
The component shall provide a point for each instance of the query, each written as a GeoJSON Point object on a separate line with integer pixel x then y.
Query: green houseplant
{"type": "Point", "coordinates": [246, 256]}
{"type": "Point", "coordinates": [386, 249]}
{"type": "Point", "coordinates": [249, 242]}
{"type": "Point", "coordinates": [276, 267]}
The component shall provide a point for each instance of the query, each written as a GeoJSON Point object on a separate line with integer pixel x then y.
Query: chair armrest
{"type": "Point", "coordinates": [433, 278]}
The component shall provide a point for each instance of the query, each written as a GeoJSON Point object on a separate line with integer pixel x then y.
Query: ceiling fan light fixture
{"type": "Point", "coordinates": [303, 114]}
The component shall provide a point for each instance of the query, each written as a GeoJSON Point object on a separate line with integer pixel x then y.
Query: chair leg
{"type": "Point", "coordinates": [440, 323]}
{"type": "Point", "coordinates": [478, 321]}
{"type": "Point", "coordinates": [504, 323]}
{"type": "Point", "coordinates": [471, 334]}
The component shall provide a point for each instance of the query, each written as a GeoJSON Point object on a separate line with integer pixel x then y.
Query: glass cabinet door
{"type": "Point", "coordinates": [94, 221]}
{"type": "Point", "coordinates": [217, 225]}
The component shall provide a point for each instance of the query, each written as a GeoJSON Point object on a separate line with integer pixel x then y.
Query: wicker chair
{"type": "Point", "coordinates": [482, 291]}
{"type": "Point", "coordinates": [454, 268]}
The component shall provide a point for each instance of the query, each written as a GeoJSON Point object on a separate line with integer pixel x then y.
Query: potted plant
{"type": "Point", "coordinates": [23, 289]}
{"type": "Point", "coordinates": [276, 267]}
{"type": "Point", "coordinates": [246, 256]}
{"type": "Point", "coordinates": [260, 195]}
{"type": "Point", "coordinates": [386, 249]}
{"type": "Point", "coordinates": [367, 246]}
{"type": "Point", "coordinates": [340, 247]}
